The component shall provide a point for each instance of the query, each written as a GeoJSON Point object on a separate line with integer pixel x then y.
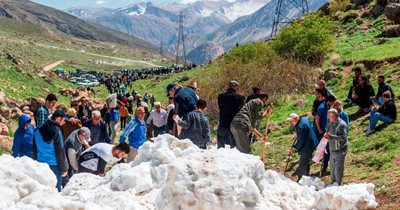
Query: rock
{"type": "Point", "coordinates": [328, 75]}
{"type": "Point", "coordinates": [35, 103]}
{"type": "Point", "coordinates": [300, 103]}
{"type": "Point", "coordinates": [349, 16]}
{"type": "Point", "coordinates": [5, 112]}
{"type": "Point", "coordinates": [183, 79]}
{"type": "Point", "coordinates": [6, 143]}
{"type": "Point", "coordinates": [391, 31]}
{"type": "Point", "coordinates": [15, 113]}
{"type": "Point", "coordinates": [14, 102]}
{"type": "Point", "coordinates": [359, 2]}
{"type": "Point", "coordinates": [3, 120]}
{"type": "Point", "coordinates": [2, 97]}
{"type": "Point", "coordinates": [392, 12]}
{"type": "Point", "coordinates": [66, 91]}
{"type": "Point", "coordinates": [3, 129]}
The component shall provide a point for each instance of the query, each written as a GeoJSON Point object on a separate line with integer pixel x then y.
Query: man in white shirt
{"type": "Point", "coordinates": [95, 159]}
{"type": "Point", "coordinates": [159, 117]}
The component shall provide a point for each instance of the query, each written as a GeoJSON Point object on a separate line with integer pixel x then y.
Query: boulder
{"type": "Point", "coordinates": [15, 113]}
{"type": "Point", "coordinates": [35, 103]}
{"type": "Point", "coordinates": [66, 91]}
{"type": "Point", "coordinates": [392, 12]}
{"type": "Point", "coordinates": [3, 129]}
{"type": "Point", "coordinates": [6, 143]}
{"type": "Point", "coordinates": [300, 103]}
{"type": "Point", "coordinates": [5, 112]}
{"type": "Point", "coordinates": [329, 74]}
{"type": "Point", "coordinates": [14, 102]}
{"type": "Point", "coordinates": [391, 31]}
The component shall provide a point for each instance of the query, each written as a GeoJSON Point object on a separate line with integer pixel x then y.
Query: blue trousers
{"type": "Point", "coordinates": [56, 170]}
{"type": "Point", "coordinates": [159, 130]}
{"type": "Point", "coordinates": [376, 116]}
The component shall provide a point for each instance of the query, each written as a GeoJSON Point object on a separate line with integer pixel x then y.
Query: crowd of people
{"type": "Point", "coordinates": [79, 139]}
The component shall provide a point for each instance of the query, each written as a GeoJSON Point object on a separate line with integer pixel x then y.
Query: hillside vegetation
{"type": "Point", "coordinates": [357, 41]}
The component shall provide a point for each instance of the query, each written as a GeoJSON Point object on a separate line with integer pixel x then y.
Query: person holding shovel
{"type": "Point", "coordinates": [305, 145]}
{"type": "Point", "coordinates": [245, 121]}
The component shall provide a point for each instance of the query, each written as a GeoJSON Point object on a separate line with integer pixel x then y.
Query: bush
{"type": "Point", "coordinates": [309, 39]}
{"type": "Point", "coordinates": [256, 65]}
{"type": "Point", "coordinates": [338, 6]}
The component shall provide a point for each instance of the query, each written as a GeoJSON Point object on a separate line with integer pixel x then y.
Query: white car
{"type": "Point", "coordinates": [84, 82]}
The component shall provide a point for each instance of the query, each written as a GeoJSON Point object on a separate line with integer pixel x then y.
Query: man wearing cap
{"type": "Point", "coordinates": [75, 144]}
{"type": "Point", "coordinates": [159, 117]}
{"type": "Point", "coordinates": [185, 99]}
{"type": "Point", "coordinates": [229, 104]}
{"type": "Point", "coordinates": [337, 136]}
{"type": "Point", "coordinates": [305, 144]}
{"type": "Point", "coordinates": [48, 146]}
{"type": "Point", "coordinates": [71, 123]}
{"type": "Point", "coordinates": [245, 121]}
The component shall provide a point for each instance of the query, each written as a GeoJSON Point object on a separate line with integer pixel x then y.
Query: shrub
{"type": "Point", "coordinates": [338, 6]}
{"type": "Point", "coordinates": [309, 39]}
{"type": "Point", "coordinates": [256, 65]}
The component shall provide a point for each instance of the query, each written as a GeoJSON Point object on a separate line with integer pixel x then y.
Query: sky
{"type": "Point", "coordinates": [65, 4]}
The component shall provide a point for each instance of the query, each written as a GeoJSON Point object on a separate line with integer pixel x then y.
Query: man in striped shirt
{"type": "Point", "coordinates": [136, 133]}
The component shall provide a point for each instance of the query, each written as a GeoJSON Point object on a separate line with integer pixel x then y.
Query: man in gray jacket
{"type": "Point", "coordinates": [337, 135]}
{"type": "Point", "coordinates": [245, 121]}
{"type": "Point", "coordinates": [196, 126]}
{"type": "Point", "coordinates": [75, 144]}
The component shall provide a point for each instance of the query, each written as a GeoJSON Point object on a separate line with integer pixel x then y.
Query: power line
{"type": "Point", "coordinates": [180, 44]}
{"type": "Point", "coordinates": [283, 12]}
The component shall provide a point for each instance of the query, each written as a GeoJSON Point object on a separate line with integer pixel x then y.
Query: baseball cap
{"type": "Point", "coordinates": [234, 82]}
{"type": "Point", "coordinates": [292, 116]}
{"type": "Point", "coordinates": [169, 87]}
{"type": "Point", "coordinates": [59, 113]}
{"type": "Point", "coordinates": [86, 132]}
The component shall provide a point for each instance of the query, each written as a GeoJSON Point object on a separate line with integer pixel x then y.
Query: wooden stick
{"type": "Point", "coordinates": [266, 133]}
{"type": "Point", "coordinates": [288, 158]}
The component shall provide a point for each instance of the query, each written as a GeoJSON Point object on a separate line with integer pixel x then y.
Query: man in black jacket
{"type": "Point", "coordinates": [386, 113]}
{"type": "Point", "coordinates": [363, 93]}
{"type": "Point", "coordinates": [357, 71]}
{"type": "Point", "coordinates": [229, 104]}
{"type": "Point", "coordinates": [98, 130]}
{"type": "Point", "coordinates": [48, 146]}
{"type": "Point", "coordinates": [382, 87]}
{"type": "Point", "coordinates": [254, 95]}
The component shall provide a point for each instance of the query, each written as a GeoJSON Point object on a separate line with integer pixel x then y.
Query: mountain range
{"type": "Point", "coordinates": [61, 23]}
{"type": "Point", "coordinates": [220, 22]}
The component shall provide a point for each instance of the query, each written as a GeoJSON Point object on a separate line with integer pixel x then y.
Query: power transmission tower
{"type": "Point", "coordinates": [180, 44]}
{"type": "Point", "coordinates": [283, 12]}
{"type": "Point", "coordinates": [161, 50]}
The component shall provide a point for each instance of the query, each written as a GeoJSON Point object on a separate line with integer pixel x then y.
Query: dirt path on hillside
{"type": "Point", "coordinates": [346, 74]}
{"type": "Point", "coordinates": [50, 66]}
{"type": "Point", "coordinates": [122, 59]}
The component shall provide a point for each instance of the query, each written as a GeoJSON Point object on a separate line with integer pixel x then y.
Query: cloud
{"type": "Point", "coordinates": [100, 1]}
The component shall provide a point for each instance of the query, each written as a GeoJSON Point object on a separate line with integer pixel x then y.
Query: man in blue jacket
{"type": "Point", "coordinates": [185, 99]}
{"type": "Point", "coordinates": [136, 133]}
{"type": "Point", "coordinates": [48, 146]}
{"type": "Point", "coordinates": [23, 137]}
{"type": "Point", "coordinates": [305, 145]}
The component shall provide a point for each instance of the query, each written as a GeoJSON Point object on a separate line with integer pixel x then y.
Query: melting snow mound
{"type": "Point", "coordinates": [175, 174]}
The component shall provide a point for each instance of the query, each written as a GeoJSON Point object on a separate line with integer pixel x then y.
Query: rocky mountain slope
{"type": "Point", "coordinates": [58, 22]}
{"type": "Point", "coordinates": [205, 52]}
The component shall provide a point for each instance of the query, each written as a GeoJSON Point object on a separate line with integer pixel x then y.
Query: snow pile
{"type": "Point", "coordinates": [175, 174]}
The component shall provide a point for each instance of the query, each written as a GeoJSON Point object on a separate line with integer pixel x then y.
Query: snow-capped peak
{"type": "Point", "coordinates": [133, 10]}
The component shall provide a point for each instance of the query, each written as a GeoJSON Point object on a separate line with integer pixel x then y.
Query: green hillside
{"type": "Point", "coordinates": [370, 159]}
